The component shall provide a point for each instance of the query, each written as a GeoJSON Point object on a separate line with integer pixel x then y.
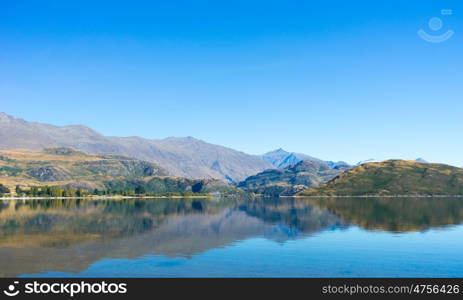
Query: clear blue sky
{"type": "Point", "coordinates": [339, 80]}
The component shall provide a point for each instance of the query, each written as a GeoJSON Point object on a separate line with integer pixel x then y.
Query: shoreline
{"type": "Point", "coordinates": [105, 197]}
{"type": "Point", "coordinates": [376, 196]}
{"type": "Point", "coordinates": [210, 197]}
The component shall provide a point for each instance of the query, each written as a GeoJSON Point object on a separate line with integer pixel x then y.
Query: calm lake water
{"type": "Point", "coordinates": [343, 237]}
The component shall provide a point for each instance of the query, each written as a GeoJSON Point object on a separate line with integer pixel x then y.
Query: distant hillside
{"type": "Point", "coordinates": [186, 157]}
{"type": "Point", "coordinates": [68, 167]}
{"type": "Point", "coordinates": [282, 159]}
{"type": "Point", "coordinates": [292, 179]}
{"type": "Point", "coordinates": [420, 160]}
{"type": "Point", "coordinates": [394, 177]}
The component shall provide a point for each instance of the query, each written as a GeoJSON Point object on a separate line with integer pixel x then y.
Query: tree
{"type": "Point", "coordinates": [18, 190]}
{"type": "Point", "coordinates": [34, 191]}
{"type": "Point", "coordinates": [140, 190]}
{"type": "Point", "coordinates": [4, 189]}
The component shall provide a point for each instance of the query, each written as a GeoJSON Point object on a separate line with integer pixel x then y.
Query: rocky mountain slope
{"type": "Point", "coordinates": [394, 177]}
{"type": "Point", "coordinates": [67, 167]}
{"type": "Point", "coordinates": [292, 179]}
{"type": "Point", "coordinates": [282, 159]}
{"type": "Point", "coordinates": [186, 157]}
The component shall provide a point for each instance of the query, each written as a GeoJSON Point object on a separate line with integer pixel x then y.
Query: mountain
{"type": "Point", "coordinates": [292, 179]}
{"type": "Point", "coordinates": [394, 177]}
{"type": "Point", "coordinates": [338, 164]}
{"type": "Point", "coordinates": [66, 167]}
{"type": "Point", "coordinates": [186, 157]}
{"type": "Point", "coordinates": [421, 160]}
{"type": "Point", "coordinates": [282, 159]}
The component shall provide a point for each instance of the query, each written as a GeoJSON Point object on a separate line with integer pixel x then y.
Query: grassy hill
{"type": "Point", "coordinates": [67, 167]}
{"type": "Point", "coordinates": [394, 177]}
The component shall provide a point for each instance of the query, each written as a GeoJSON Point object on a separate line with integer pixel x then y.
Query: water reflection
{"type": "Point", "coordinates": [395, 214]}
{"type": "Point", "coordinates": [292, 217]}
{"type": "Point", "coordinates": [70, 235]}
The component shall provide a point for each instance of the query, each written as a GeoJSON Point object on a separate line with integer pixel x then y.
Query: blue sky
{"type": "Point", "coordinates": [337, 80]}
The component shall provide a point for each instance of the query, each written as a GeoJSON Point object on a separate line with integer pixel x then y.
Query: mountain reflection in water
{"type": "Point", "coordinates": [70, 235]}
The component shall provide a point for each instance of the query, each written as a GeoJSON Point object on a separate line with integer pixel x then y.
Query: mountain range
{"type": "Point", "coordinates": [66, 167]}
{"type": "Point", "coordinates": [185, 157]}
{"type": "Point", "coordinates": [282, 159]}
{"type": "Point", "coordinates": [176, 164]}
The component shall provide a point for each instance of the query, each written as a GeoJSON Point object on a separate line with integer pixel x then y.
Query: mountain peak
{"type": "Point", "coordinates": [279, 151]}
{"type": "Point", "coordinates": [421, 160]}
{"type": "Point", "coordinates": [278, 158]}
{"type": "Point", "coordinates": [80, 130]}
{"type": "Point", "coordinates": [281, 158]}
{"type": "Point", "coordinates": [309, 166]}
{"type": "Point", "coordinates": [180, 138]}
{"type": "Point", "coordinates": [5, 118]}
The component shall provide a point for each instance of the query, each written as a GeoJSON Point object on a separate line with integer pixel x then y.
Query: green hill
{"type": "Point", "coordinates": [394, 177]}
{"type": "Point", "coordinates": [70, 168]}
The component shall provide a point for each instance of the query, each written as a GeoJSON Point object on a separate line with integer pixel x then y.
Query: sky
{"type": "Point", "coordinates": [338, 80]}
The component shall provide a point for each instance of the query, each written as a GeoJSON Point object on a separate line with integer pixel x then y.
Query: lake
{"type": "Point", "coordinates": [283, 237]}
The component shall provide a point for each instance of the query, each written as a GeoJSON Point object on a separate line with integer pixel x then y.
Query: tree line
{"type": "Point", "coordinates": [59, 191]}
{"type": "Point", "coordinates": [52, 191]}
